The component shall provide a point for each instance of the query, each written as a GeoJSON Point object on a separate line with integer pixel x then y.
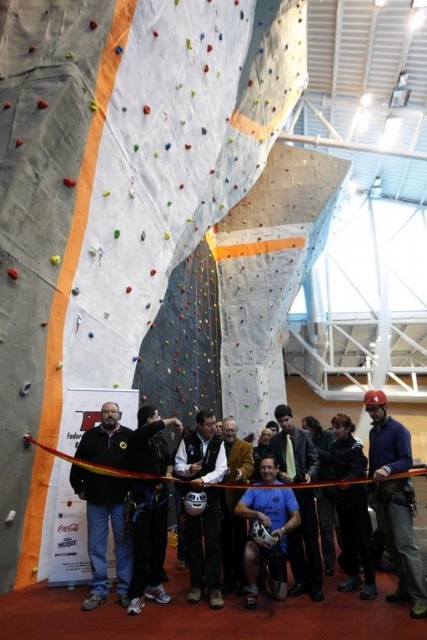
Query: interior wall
{"type": "Point", "coordinates": [305, 402]}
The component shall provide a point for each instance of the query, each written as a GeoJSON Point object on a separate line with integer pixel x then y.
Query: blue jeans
{"type": "Point", "coordinates": [98, 518]}
{"type": "Point", "coordinates": [396, 520]}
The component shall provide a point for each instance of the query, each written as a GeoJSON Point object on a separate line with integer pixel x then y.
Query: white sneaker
{"type": "Point", "coordinates": [158, 594]}
{"type": "Point", "coordinates": [135, 607]}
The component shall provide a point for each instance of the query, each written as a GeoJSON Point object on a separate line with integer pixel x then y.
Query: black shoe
{"type": "Point", "coordinates": [397, 596]}
{"type": "Point", "coordinates": [330, 571]}
{"type": "Point", "coordinates": [297, 590]}
{"type": "Point", "coordinates": [316, 594]}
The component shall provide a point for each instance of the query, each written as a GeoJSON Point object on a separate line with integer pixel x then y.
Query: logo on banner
{"type": "Point", "coordinates": [66, 528]}
{"type": "Point", "coordinates": [67, 542]}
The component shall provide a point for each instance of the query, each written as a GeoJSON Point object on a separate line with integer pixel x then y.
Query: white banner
{"type": "Point", "coordinates": [81, 411]}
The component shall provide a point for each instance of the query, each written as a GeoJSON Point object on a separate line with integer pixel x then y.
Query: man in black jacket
{"type": "Point", "coordinates": [299, 461]}
{"type": "Point", "coordinates": [148, 453]}
{"type": "Point", "coordinates": [105, 501]}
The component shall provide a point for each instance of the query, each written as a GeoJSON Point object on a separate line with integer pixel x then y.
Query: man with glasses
{"type": "Point", "coordinates": [298, 462]}
{"type": "Point", "coordinates": [105, 502]}
{"type": "Point", "coordinates": [240, 467]}
{"type": "Point", "coordinates": [390, 452]}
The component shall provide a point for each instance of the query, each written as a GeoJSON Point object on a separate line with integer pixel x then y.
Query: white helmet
{"type": "Point", "coordinates": [195, 502]}
{"type": "Point", "coordinates": [262, 535]}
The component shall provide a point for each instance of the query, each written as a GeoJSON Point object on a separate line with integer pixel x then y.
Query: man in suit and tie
{"type": "Point", "coordinates": [240, 468]}
{"type": "Point", "coordinates": [299, 460]}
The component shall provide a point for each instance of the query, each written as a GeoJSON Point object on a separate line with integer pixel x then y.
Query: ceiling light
{"type": "Point", "coordinates": [380, 3]}
{"type": "Point", "coordinates": [393, 124]}
{"type": "Point", "coordinates": [417, 19]}
{"type": "Point", "coordinates": [399, 96]}
{"type": "Point", "coordinates": [366, 100]}
{"type": "Point", "coordinates": [418, 4]}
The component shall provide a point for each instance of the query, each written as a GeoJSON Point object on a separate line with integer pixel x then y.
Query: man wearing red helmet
{"type": "Point", "coordinates": [390, 452]}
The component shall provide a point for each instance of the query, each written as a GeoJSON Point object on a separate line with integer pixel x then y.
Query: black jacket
{"type": "Point", "coordinates": [306, 454]}
{"type": "Point", "coordinates": [97, 446]}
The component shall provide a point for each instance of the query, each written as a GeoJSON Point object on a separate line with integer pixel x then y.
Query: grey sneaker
{"type": "Point", "coordinates": [124, 600]}
{"type": "Point", "coordinates": [194, 595]}
{"type": "Point", "coordinates": [215, 599]}
{"type": "Point", "coordinates": [158, 594]}
{"type": "Point", "coordinates": [369, 592]}
{"type": "Point", "coordinates": [350, 583]}
{"type": "Point", "coordinates": [135, 607]}
{"type": "Point", "coordinates": [93, 601]}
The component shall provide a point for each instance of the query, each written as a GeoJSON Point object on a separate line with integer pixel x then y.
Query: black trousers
{"type": "Point", "coordinates": [303, 543]}
{"type": "Point", "coordinates": [356, 532]}
{"type": "Point", "coordinates": [150, 537]}
{"type": "Point", "coordinates": [204, 547]}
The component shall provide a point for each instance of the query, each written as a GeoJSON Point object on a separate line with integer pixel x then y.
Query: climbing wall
{"type": "Point", "coordinates": [127, 129]}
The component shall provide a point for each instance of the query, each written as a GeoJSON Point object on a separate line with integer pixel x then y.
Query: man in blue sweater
{"type": "Point", "coordinates": [390, 452]}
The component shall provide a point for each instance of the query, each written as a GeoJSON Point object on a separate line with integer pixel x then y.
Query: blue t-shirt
{"type": "Point", "coordinates": [277, 504]}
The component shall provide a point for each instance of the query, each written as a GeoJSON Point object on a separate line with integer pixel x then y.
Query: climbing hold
{"type": "Point", "coordinates": [188, 146]}
{"type": "Point", "coordinates": [116, 385]}
{"type": "Point", "coordinates": [90, 335]}
{"type": "Point", "coordinates": [93, 252]}
{"type": "Point", "coordinates": [146, 109]}
{"type": "Point", "coordinates": [7, 105]}
{"type": "Point", "coordinates": [42, 104]}
{"type": "Point", "coordinates": [155, 34]}
{"type": "Point", "coordinates": [136, 147]}
{"type": "Point", "coordinates": [93, 24]}
{"type": "Point", "coordinates": [93, 105]}
{"type": "Point", "coordinates": [119, 50]}
{"type": "Point", "coordinates": [188, 44]}
{"type": "Point", "coordinates": [106, 193]}
{"type": "Point", "coordinates": [25, 389]}
{"type": "Point", "coordinates": [69, 55]}
{"type": "Point", "coordinates": [69, 182]}
{"type": "Point", "coordinates": [117, 234]}
{"type": "Point", "coordinates": [59, 365]}
{"type": "Point", "coordinates": [204, 131]}
{"type": "Point", "coordinates": [44, 324]}
{"type": "Point", "coordinates": [143, 235]}
{"type": "Point", "coordinates": [55, 260]}
{"type": "Point", "coordinates": [13, 274]}
{"type": "Point", "coordinates": [132, 193]}
{"type": "Point", "coordinates": [209, 48]}
{"type": "Point", "coordinates": [153, 272]}
{"type": "Point", "coordinates": [167, 235]}
{"type": "Point", "coordinates": [128, 289]}
{"type": "Point", "coordinates": [168, 146]}
{"type": "Point", "coordinates": [19, 142]}
{"type": "Point", "coordinates": [75, 291]}
{"type": "Point", "coordinates": [206, 68]}
{"type": "Point", "coordinates": [32, 48]}
{"type": "Point", "coordinates": [144, 398]}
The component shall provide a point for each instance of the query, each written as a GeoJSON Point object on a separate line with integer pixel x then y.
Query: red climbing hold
{"type": "Point", "coordinates": [7, 105]}
{"type": "Point", "coordinates": [146, 109]}
{"type": "Point", "coordinates": [128, 289]}
{"type": "Point", "coordinates": [69, 182]}
{"type": "Point", "coordinates": [155, 34]}
{"type": "Point", "coordinates": [188, 147]}
{"type": "Point", "coordinates": [13, 273]}
{"type": "Point", "coordinates": [32, 48]}
{"type": "Point", "coordinates": [153, 272]}
{"type": "Point", "coordinates": [42, 104]}
{"type": "Point", "coordinates": [209, 48]}
{"type": "Point", "coordinates": [206, 68]}
{"type": "Point", "coordinates": [19, 142]}
{"type": "Point", "coordinates": [250, 83]}
{"type": "Point", "coordinates": [93, 24]}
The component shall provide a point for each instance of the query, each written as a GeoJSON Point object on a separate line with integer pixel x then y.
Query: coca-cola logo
{"type": "Point", "coordinates": [68, 527]}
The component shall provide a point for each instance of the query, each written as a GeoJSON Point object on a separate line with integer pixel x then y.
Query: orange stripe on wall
{"type": "Point", "coordinates": [259, 131]}
{"type": "Point", "coordinates": [51, 411]}
{"type": "Point", "coordinates": [254, 248]}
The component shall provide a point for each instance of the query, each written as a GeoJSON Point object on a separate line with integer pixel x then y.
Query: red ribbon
{"type": "Point", "coordinates": [104, 470]}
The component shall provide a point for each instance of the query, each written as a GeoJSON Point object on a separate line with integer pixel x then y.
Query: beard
{"type": "Point", "coordinates": [109, 424]}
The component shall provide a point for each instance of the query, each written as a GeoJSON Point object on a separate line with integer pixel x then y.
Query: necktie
{"type": "Point", "coordinates": [290, 460]}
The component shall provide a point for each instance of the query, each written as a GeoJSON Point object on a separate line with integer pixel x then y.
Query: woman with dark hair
{"type": "Point", "coordinates": [352, 507]}
{"type": "Point", "coordinates": [325, 500]}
